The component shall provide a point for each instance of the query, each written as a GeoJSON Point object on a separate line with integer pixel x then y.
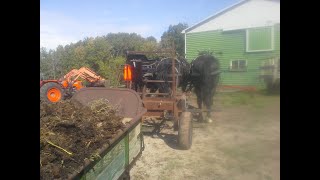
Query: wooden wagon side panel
{"type": "Point", "coordinates": [111, 166]}
{"type": "Point", "coordinates": [134, 143]}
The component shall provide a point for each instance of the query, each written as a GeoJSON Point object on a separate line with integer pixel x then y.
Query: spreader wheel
{"type": "Point", "coordinates": [51, 92]}
{"type": "Point", "coordinates": [185, 130]}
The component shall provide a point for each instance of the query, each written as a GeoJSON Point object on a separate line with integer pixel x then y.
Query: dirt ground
{"type": "Point", "coordinates": [242, 143]}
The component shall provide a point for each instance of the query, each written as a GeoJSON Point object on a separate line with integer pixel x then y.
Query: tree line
{"type": "Point", "coordinates": [105, 54]}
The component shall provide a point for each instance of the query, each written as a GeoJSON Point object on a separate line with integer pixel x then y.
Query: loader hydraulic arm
{"type": "Point", "coordinates": [56, 90]}
{"type": "Point", "coordinates": [85, 73]}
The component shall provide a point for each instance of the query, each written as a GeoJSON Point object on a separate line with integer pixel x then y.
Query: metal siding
{"type": "Point", "coordinates": [232, 46]}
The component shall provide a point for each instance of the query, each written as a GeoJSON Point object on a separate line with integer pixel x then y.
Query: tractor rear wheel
{"type": "Point", "coordinates": [51, 92]}
{"type": "Point", "coordinates": [185, 130]}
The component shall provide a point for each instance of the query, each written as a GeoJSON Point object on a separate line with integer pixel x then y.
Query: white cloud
{"type": "Point", "coordinates": [58, 29]}
{"type": "Point", "coordinates": [54, 29]}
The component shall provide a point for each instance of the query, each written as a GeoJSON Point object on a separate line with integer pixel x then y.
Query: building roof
{"type": "Point", "coordinates": [223, 11]}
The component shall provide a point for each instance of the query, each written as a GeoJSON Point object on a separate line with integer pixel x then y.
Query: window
{"type": "Point", "coordinates": [238, 65]}
{"type": "Point", "coordinates": [260, 39]}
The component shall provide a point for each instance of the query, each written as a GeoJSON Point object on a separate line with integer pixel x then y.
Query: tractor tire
{"type": "Point", "coordinates": [185, 131]}
{"type": "Point", "coordinates": [51, 92]}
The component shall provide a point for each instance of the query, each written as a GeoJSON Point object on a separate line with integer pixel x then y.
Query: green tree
{"type": "Point", "coordinates": [122, 42]}
{"type": "Point", "coordinates": [174, 35]}
{"type": "Point", "coordinates": [151, 39]}
{"type": "Point", "coordinates": [103, 54]}
{"type": "Point", "coordinates": [45, 63]}
{"type": "Point", "coordinates": [150, 44]}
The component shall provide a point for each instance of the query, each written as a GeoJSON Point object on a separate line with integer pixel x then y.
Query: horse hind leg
{"type": "Point", "coordinates": [208, 103]}
{"type": "Point", "coordinates": [208, 114]}
{"type": "Point", "coordinates": [199, 102]}
{"type": "Point", "coordinates": [209, 120]}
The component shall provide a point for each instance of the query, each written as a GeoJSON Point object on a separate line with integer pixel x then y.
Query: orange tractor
{"type": "Point", "coordinates": [65, 87]}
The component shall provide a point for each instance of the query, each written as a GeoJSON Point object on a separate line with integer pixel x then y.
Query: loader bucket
{"type": "Point", "coordinates": [127, 101]}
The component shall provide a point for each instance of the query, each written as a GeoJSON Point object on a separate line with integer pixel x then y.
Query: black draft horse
{"type": "Point", "coordinates": [203, 76]}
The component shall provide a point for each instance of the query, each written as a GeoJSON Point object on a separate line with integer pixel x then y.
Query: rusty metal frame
{"type": "Point", "coordinates": [158, 106]}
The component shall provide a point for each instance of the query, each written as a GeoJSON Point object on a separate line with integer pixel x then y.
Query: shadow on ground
{"type": "Point", "coordinates": [163, 129]}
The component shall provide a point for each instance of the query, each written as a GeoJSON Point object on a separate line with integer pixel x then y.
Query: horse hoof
{"type": "Point", "coordinates": [209, 120]}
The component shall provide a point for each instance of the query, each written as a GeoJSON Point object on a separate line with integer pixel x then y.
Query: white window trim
{"type": "Point", "coordinates": [241, 70]}
{"type": "Point", "coordinates": [272, 41]}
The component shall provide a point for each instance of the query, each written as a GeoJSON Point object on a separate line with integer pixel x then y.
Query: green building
{"type": "Point", "coordinates": [242, 37]}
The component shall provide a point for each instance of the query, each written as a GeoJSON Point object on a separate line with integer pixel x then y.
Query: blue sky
{"type": "Point", "coordinates": [66, 21]}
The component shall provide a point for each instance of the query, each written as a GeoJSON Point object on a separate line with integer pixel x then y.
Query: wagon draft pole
{"type": "Point", "coordinates": [139, 74]}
